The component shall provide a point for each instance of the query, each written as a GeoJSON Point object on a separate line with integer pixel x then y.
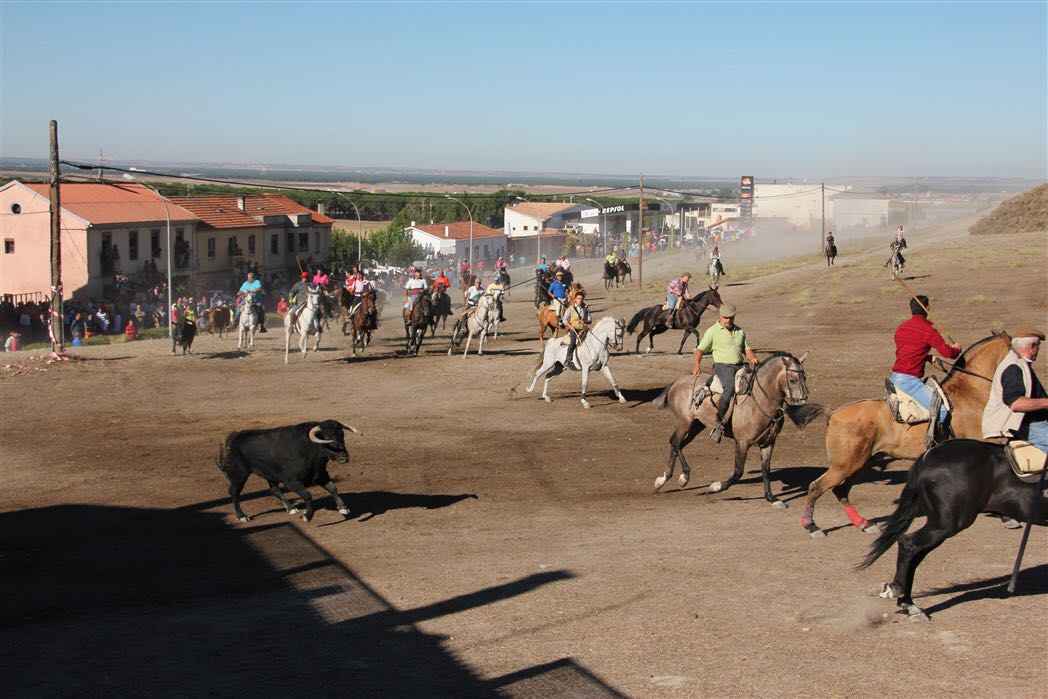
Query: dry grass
{"type": "Point", "coordinates": [1023, 213]}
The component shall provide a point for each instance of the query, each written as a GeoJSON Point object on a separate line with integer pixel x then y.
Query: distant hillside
{"type": "Point", "coordinates": [1020, 214]}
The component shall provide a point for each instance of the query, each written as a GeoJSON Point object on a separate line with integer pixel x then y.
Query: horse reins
{"type": "Point", "coordinates": [947, 367]}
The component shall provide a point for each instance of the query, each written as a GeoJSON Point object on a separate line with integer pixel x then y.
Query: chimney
{"type": "Point", "coordinates": [447, 231]}
{"type": "Point", "coordinates": [240, 202]}
{"type": "Point", "coordinates": [412, 224]}
{"type": "Point", "coordinates": [321, 208]}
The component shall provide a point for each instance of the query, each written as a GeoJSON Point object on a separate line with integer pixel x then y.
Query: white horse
{"type": "Point", "coordinates": [713, 271]}
{"type": "Point", "coordinates": [249, 323]}
{"type": "Point", "coordinates": [590, 355]}
{"type": "Point", "coordinates": [482, 321]}
{"type": "Point", "coordinates": [309, 322]}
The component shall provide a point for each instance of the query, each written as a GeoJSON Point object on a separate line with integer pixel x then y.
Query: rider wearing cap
{"type": "Point", "coordinates": [496, 286]}
{"type": "Point", "coordinates": [1018, 404]}
{"type": "Point", "coordinates": [557, 292]}
{"type": "Point", "coordinates": [576, 319]}
{"type": "Point", "coordinates": [297, 296]}
{"type": "Point", "coordinates": [730, 348]}
{"type": "Point", "coordinates": [715, 257]}
{"type": "Point", "coordinates": [471, 297]}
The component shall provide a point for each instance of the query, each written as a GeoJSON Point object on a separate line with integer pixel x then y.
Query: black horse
{"type": "Point", "coordinates": [441, 310]}
{"type": "Point", "coordinates": [416, 321]}
{"type": "Point", "coordinates": [657, 320]}
{"type": "Point", "coordinates": [610, 276]}
{"type": "Point", "coordinates": [623, 270]}
{"type": "Point", "coordinates": [543, 280]}
{"type": "Point", "coordinates": [951, 484]}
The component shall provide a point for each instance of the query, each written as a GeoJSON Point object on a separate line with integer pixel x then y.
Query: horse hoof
{"type": "Point", "coordinates": [547, 399]}
{"type": "Point", "coordinates": [915, 613]}
{"type": "Point", "coordinates": [779, 505]}
{"type": "Point", "coordinates": [683, 479]}
{"type": "Point", "coordinates": [715, 487]}
{"type": "Point", "coordinates": [1011, 524]}
{"type": "Point", "coordinates": [659, 482]}
{"type": "Point", "coordinates": [293, 511]}
{"type": "Point", "coordinates": [817, 534]}
{"type": "Point", "coordinates": [622, 399]}
{"type": "Point", "coordinates": [871, 529]}
{"type": "Point", "coordinates": [245, 518]}
{"type": "Point", "coordinates": [585, 404]}
{"type": "Point", "coordinates": [344, 511]}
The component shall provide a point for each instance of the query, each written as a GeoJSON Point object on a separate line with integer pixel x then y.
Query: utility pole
{"type": "Point", "coordinates": [57, 344]}
{"type": "Point", "coordinates": [640, 236]}
{"type": "Point", "coordinates": [823, 240]}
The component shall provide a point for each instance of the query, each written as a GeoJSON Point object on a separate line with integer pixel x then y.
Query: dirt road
{"type": "Point", "coordinates": [498, 545]}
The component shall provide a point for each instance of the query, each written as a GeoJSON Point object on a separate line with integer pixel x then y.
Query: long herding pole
{"type": "Point", "coordinates": [640, 236]}
{"type": "Point", "coordinates": [1026, 533]}
{"type": "Point", "coordinates": [57, 344]}
{"type": "Point", "coordinates": [930, 316]}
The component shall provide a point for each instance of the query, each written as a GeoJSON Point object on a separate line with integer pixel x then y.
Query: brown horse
{"type": "Point", "coordinates": [830, 250]}
{"type": "Point", "coordinates": [547, 320]}
{"type": "Point", "coordinates": [364, 321]}
{"type": "Point", "coordinates": [219, 319]}
{"type": "Point", "coordinates": [864, 429]}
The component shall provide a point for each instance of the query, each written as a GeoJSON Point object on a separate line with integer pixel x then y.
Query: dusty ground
{"type": "Point", "coordinates": [499, 545]}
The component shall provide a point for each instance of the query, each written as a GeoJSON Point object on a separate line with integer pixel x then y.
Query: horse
{"type": "Point", "coordinates": [622, 270]}
{"type": "Point", "coordinates": [714, 270]}
{"type": "Point", "coordinates": [416, 320]}
{"type": "Point", "coordinates": [864, 429]}
{"type": "Point", "coordinates": [658, 320]}
{"type": "Point", "coordinates": [218, 319]}
{"type": "Point", "coordinates": [591, 354]}
{"type": "Point", "coordinates": [542, 282]}
{"type": "Point", "coordinates": [779, 390]}
{"type": "Point", "coordinates": [364, 321]}
{"type": "Point", "coordinates": [610, 276]}
{"type": "Point", "coordinates": [441, 310]}
{"type": "Point", "coordinates": [249, 323]}
{"type": "Point", "coordinates": [830, 250]}
{"type": "Point", "coordinates": [310, 321]}
{"type": "Point", "coordinates": [185, 332]}
{"type": "Point", "coordinates": [950, 484]}
{"type": "Point", "coordinates": [547, 320]}
{"type": "Point", "coordinates": [484, 320]}
{"type": "Point", "coordinates": [896, 263]}
{"type": "Point", "coordinates": [504, 280]}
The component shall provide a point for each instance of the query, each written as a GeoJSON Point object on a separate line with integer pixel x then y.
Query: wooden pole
{"type": "Point", "coordinates": [932, 318]}
{"type": "Point", "coordinates": [57, 343]}
{"type": "Point", "coordinates": [640, 236]}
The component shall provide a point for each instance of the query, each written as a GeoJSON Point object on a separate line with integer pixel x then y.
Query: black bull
{"type": "Point", "coordinates": [295, 456]}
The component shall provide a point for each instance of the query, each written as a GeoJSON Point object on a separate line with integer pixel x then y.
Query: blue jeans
{"type": "Point", "coordinates": [1039, 435]}
{"type": "Point", "coordinates": [916, 388]}
{"type": "Point", "coordinates": [671, 301]}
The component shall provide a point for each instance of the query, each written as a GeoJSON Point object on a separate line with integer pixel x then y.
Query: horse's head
{"type": "Point", "coordinates": [982, 357]}
{"type": "Point", "coordinates": [713, 296]}
{"type": "Point", "coordinates": [788, 376]}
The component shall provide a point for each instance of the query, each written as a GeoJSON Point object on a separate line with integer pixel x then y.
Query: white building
{"type": "Point", "coordinates": [801, 204]}
{"type": "Point", "coordinates": [452, 240]}
{"type": "Point", "coordinates": [527, 221]}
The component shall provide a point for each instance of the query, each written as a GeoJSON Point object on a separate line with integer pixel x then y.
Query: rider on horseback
{"type": "Point", "coordinates": [297, 298]}
{"type": "Point", "coordinates": [897, 246]}
{"type": "Point", "coordinates": [715, 261]}
{"type": "Point", "coordinates": [675, 291]}
{"type": "Point", "coordinates": [612, 259]}
{"type": "Point", "coordinates": [1018, 405]}
{"type": "Point", "coordinates": [577, 320]}
{"type": "Point", "coordinates": [471, 297]}
{"type": "Point", "coordinates": [250, 295]}
{"type": "Point", "coordinates": [496, 286]}
{"type": "Point", "coordinates": [557, 292]}
{"type": "Point", "coordinates": [441, 283]}
{"type": "Point", "coordinates": [359, 287]}
{"type": "Point", "coordinates": [413, 290]}
{"type": "Point", "coordinates": [541, 268]}
{"type": "Point", "coordinates": [914, 340]}
{"type": "Point", "coordinates": [730, 347]}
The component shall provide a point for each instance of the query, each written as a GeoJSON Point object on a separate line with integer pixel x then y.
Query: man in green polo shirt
{"type": "Point", "coordinates": [728, 344]}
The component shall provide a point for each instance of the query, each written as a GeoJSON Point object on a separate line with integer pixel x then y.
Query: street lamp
{"type": "Point", "coordinates": [360, 227]}
{"type": "Point", "coordinates": [448, 196]}
{"type": "Point", "coordinates": [664, 219]}
{"type": "Point", "coordinates": [604, 225]}
{"type": "Point", "coordinates": [538, 235]}
{"type": "Point", "coordinates": [167, 214]}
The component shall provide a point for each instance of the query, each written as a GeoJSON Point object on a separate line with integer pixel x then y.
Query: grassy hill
{"type": "Point", "coordinates": [1022, 213]}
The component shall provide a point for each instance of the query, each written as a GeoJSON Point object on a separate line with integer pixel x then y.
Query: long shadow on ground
{"type": "Point", "coordinates": [176, 603]}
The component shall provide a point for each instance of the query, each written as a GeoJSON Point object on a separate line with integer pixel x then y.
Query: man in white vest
{"type": "Point", "coordinates": [1018, 405]}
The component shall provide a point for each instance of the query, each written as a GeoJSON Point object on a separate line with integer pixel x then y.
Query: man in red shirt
{"type": "Point", "coordinates": [441, 283]}
{"type": "Point", "coordinates": [914, 340]}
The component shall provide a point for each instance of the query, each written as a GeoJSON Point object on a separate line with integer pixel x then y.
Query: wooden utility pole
{"type": "Point", "coordinates": [640, 236]}
{"type": "Point", "coordinates": [57, 343]}
{"type": "Point", "coordinates": [823, 241]}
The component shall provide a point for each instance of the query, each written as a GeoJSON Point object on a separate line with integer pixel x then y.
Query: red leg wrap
{"type": "Point", "coordinates": [855, 517]}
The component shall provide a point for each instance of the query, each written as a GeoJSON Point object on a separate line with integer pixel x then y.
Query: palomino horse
{"type": "Point", "coordinates": [416, 320]}
{"type": "Point", "coordinates": [309, 321]}
{"type": "Point", "coordinates": [482, 321]}
{"type": "Point", "coordinates": [219, 319]}
{"type": "Point", "coordinates": [779, 390]}
{"type": "Point", "coordinates": [864, 429]}
{"type": "Point", "coordinates": [656, 320]}
{"type": "Point", "coordinates": [951, 484]}
{"type": "Point", "coordinates": [591, 354]}
{"type": "Point", "coordinates": [441, 310]}
{"type": "Point", "coordinates": [249, 323]}
{"type": "Point", "coordinates": [364, 321]}
{"type": "Point", "coordinates": [548, 320]}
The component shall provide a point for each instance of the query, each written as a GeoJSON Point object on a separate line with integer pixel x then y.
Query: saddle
{"type": "Point", "coordinates": [906, 410]}
{"type": "Point", "coordinates": [712, 390]}
{"type": "Point", "coordinates": [1027, 461]}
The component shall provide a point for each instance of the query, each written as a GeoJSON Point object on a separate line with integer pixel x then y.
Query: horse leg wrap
{"type": "Point", "coordinates": [807, 516]}
{"type": "Point", "coordinates": [856, 519]}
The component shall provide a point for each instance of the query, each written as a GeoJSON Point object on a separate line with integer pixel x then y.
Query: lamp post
{"type": "Point", "coordinates": [538, 236]}
{"type": "Point", "coordinates": [360, 227]}
{"type": "Point", "coordinates": [448, 196]}
{"type": "Point", "coordinates": [664, 220]}
{"type": "Point", "coordinates": [167, 215]}
{"type": "Point", "coordinates": [604, 225]}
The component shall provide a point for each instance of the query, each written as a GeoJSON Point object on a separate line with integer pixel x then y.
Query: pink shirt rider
{"type": "Point", "coordinates": [321, 280]}
{"type": "Point", "coordinates": [359, 287]}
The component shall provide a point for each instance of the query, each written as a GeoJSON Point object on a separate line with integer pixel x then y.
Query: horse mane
{"type": "Point", "coordinates": [775, 354]}
{"type": "Point", "coordinates": [962, 361]}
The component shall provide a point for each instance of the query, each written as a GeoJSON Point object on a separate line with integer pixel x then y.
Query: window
{"type": "Point", "coordinates": [154, 240]}
{"type": "Point", "coordinates": [211, 248]}
{"type": "Point", "coordinates": [525, 228]}
{"type": "Point", "coordinates": [231, 246]}
{"type": "Point", "coordinates": [16, 208]}
{"type": "Point", "coordinates": [274, 244]}
{"type": "Point", "coordinates": [290, 243]}
{"type": "Point", "coordinates": [132, 245]}
{"type": "Point", "coordinates": [9, 246]}
{"type": "Point", "coordinates": [303, 242]}
{"type": "Point", "coordinates": [251, 244]}
{"type": "Point", "coordinates": [316, 241]}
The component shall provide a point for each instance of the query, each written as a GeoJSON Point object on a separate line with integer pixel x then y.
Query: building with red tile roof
{"type": "Point", "coordinates": [452, 239]}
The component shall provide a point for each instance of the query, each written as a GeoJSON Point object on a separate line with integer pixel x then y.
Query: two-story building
{"type": "Point", "coordinates": [531, 227]}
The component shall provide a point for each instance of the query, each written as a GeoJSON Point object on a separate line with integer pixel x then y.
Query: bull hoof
{"type": "Point", "coordinates": [779, 505]}
{"type": "Point", "coordinates": [1011, 524]}
{"type": "Point", "coordinates": [715, 487]}
{"type": "Point", "coordinates": [659, 482]}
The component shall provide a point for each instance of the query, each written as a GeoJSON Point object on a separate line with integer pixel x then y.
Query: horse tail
{"type": "Point", "coordinates": [660, 402]}
{"type": "Point", "coordinates": [900, 520]}
{"type": "Point", "coordinates": [802, 415]}
{"type": "Point", "coordinates": [635, 320]}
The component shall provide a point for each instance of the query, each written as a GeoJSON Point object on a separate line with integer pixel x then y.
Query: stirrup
{"type": "Point", "coordinates": [717, 432]}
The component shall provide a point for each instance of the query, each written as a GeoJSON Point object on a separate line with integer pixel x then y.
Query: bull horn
{"type": "Point", "coordinates": [315, 439]}
{"type": "Point", "coordinates": [352, 429]}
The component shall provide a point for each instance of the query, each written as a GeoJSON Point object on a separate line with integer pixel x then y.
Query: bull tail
{"type": "Point", "coordinates": [660, 402]}
{"type": "Point", "coordinates": [802, 415]}
{"type": "Point", "coordinates": [635, 320]}
{"type": "Point", "coordinates": [222, 461]}
{"type": "Point", "coordinates": [899, 521]}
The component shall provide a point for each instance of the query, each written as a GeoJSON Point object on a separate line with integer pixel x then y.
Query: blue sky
{"type": "Point", "coordinates": [774, 89]}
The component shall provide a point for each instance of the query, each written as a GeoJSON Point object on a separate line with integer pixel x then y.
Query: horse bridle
{"type": "Point", "coordinates": [945, 366]}
{"type": "Point", "coordinates": [789, 398]}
